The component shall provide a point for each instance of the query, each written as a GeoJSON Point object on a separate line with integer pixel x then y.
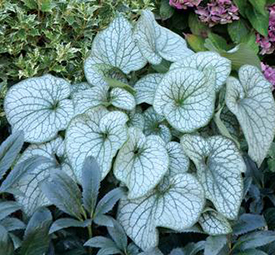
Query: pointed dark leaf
{"type": "Point", "coordinates": [64, 193]}
{"type": "Point", "coordinates": [6, 245]}
{"type": "Point", "coordinates": [36, 239]}
{"type": "Point", "coordinates": [108, 201]}
{"type": "Point", "coordinates": [118, 235]}
{"type": "Point", "coordinates": [248, 222]}
{"type": "Point", "coordinates": [7, 208]}
{"type": "Point", "coordinates": [9, 151]}
{"type": "Point", "coordinates": [68, 223]}
{"type": "Point", "coordinates": [91, 177]}
{"type": "Point", "coordinates": [20, 170]}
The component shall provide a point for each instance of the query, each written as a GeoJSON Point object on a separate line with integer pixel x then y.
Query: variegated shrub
{"type": "Point", "coordinates": [165, 136]}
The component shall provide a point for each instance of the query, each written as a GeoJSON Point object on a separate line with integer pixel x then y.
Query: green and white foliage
{"type": "Point", "coordinates": [156, 42]}
{"type": "Point", "coordinates": [213, 223]}
{"type": "Point", "coordinates": [146, 88]}
{"type": "Point", "coordinates": [141, 163]}
{"type": "Point", "coordinates": [113, 49]}
{"type": "Point", "coordinates": [40, 107]}
{"type": "Point", "coordinates": [129, 121]}
{"type": "Point", "coordinates": [98, 133]}
{"type": "Point", "coordinates": [176, 206]}
{"type": "Point", "coordinates": [204, 60]}
{"type": "Point", "coordinates": [31, 196]}
{"type": "Point", "coordinates": [251, 100]}
{"type": "Point", "coordinates": [219, 167]}
{"type": "Point", "coordinates": [186, 98]}
{"type": "Point", "coordinates": [105, 96]}
{"type": "Point", "coordinates": [153, 125]}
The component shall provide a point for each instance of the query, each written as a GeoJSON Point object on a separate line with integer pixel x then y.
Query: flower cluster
{"type": "Point", "coordinates": [267, 44]}
{"type": "Point", "coordinates": [218, 12]}
{"type": "Point", "coordinates": [183, 4]}
{"type": "Point", "coordinates": [269, 74]}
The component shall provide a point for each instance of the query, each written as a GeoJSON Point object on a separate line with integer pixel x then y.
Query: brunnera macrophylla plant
{"type": "Point", "coordinates": [148, 127]}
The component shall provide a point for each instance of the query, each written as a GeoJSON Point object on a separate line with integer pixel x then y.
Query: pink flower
{"type": "Point", "coordinates": [269, 74]}
{"type": "Point", "coordinates": [218, 12]}
{"type": "Point", "coordinates": [267, 44]}
{"type": "Point", "coordinates": [184, 4]}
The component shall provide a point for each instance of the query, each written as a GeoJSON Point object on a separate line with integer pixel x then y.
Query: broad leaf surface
{"type": "Point", "coordinates": [186, 98]}
{"type": "Point", "coordinates": [146, 88]}
{"type": "Point", "coordinates": [86, 99]}
{"type": "Point", "coordinates": [219, 168]}
{"type": "Point", "coordinates": [203, 60]}
{"type": "Point", "coordinates": [98, 133]}
{"type": "Point", "coordinates": [33, 197]}
{"type": "Point", "coordinates": [40, 107]}
{"type": "Point", "coordinates": [141, 163]}
{"type": "Point", "coordinates": [214, 223]}
{"type": "Point", "coordinates": [157, 42]}
{"type": "Point", "coordinates": [251, 100]}
{"type": "Point", "coordinates": [112, 48]}
{"type": "Point", "coordinates": [177, 207]}
{"type": "Point", "coordinates": [153, 125]}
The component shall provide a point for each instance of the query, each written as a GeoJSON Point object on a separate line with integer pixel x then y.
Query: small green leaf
{"type": "Point", "coordinates": [113, 83]}
{"type": "Point", "coordinates": [196, 42]}
{"type": "Point", "coordinates": [45, 5]}
{"type": "Point", "coordinates": [241, 55]}
{"type": "Point", "coordinates": [259, 21]}
{"type": "Point", "coordinates": [36, 239]}
{"type": "Point", "coordinates": [237, 30]}
{"type": "Point", "coordinates": [166, 11]}
{"type": "Point", "coordinates": [242, 5]}
{"type": "Point", "coordinates": [196, 26]}
{"type": "Point", "coordinates": [9, 150]}
{"type": "Point", "coordinates": [68, 223]}
{"type": "Point", "coordinates": [91, 177]}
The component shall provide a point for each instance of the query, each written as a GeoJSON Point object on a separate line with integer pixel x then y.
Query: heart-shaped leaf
{"type": "Point", "coordinates": [156, 42]}
{"type": "Point", "coordinates": [104, 96]}
{"type": "Point", "coordinates": [219, 167]}
{"type": "Point", "coordinates": [251, 100]}
{"type": "Point", "coordinates": [153, 125]}
{"type": "Point", "coordinates": [146, 88]}
{"type": "Point", "coordinates": [141, 163]}
{"type": "Point", "coordinates": [213, 223]}
{"type": "Point", "coordinates": [186, 98]}
{"type": "Point", "coordinates": [177, 207]}
{"type": "Point", "coordinates": [40, 107]}
{"type": "Point", "coordinates": [113, 48]}
{"type": "Point", "coordinates": [203, 60]}
{"type": "Point", "coordinates": [33, 197]}
{"type": "Point", "coordinates": [98, 133]}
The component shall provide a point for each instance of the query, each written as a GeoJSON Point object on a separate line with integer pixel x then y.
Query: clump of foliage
{"type": "Point", "coordinates": [38, 37]}
{"type": "Point", "coordinates": [169, 125]}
